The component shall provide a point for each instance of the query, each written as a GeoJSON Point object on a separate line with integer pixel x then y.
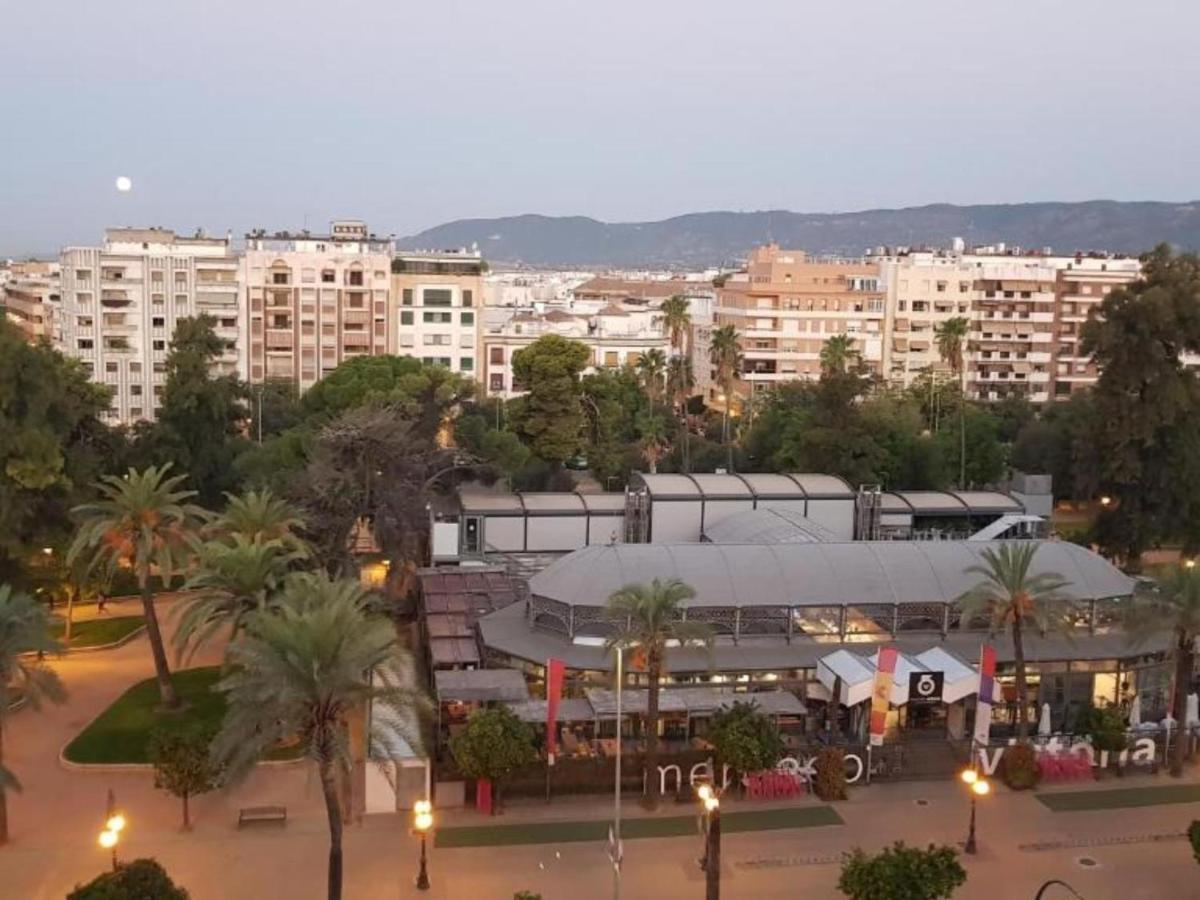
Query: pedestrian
{"type": "Point", "coordinates": [101, 599]}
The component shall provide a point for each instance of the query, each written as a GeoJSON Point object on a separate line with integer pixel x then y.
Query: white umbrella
{"type": "Point", "coordinates": [1044, 721]}
{"type": "Point", "coordinates": [1193, 710]}
{"type": "Point", "coordinates": [1135, 712]}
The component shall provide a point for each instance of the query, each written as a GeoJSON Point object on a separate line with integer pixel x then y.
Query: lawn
{"type": "Point", "coordinates": [647, 827]}
{"type": "Point", "coordinates": [1124, 798]}
{"type": "Point", "coordinates": [98, 632]}
{"type": "Point", "coordinates": [122, 732]}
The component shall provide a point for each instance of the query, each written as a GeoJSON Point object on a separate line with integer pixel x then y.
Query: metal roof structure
{"type": "Point", "coordinates": [480, 685]}
{"type": "Point", "coordinates": [950, 503]}
{"type": "Point", "coordinates": [535, 503]}
{"type": "Point", "coordinates": [753, 486]}
{"type": "Point", "coordinates": [812, 574]}
{"type": "Point", "coordinates": [767, 525]}
{"type": "Point", "coordinates": [697, 701]}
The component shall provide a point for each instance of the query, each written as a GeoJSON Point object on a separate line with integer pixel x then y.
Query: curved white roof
{"type": "Point", "coordinates": [769, 525]}
{"type": "Point", "coordinates": [750, 485]}
{"type": "Point", "coordinates": [814, 574]}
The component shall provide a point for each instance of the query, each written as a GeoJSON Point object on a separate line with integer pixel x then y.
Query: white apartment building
{"type": "Point", "coordinates": [924, 290]}
{"type": "Point", "coordinates": [438, 297]}
{"type": "Point", "coordinates": [29, 296]}
{"type": "Point", "coordinates": [314, 301]}
{"type": "Point", "coordinates": [120, 303]}
{"type": "Point", "coordinates": [614, 335]}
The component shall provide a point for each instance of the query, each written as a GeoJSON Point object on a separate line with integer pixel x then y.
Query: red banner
{"type": "Point", "coordinates": [986, 695]}
{"type": "Point", "coordinates": [554, 686]}
{"type": "Point", "coordinates": [881, 696]}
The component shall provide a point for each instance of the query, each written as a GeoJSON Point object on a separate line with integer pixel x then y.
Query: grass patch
{"type": "Point", "coordinates": [97, 632]}
{"type": "Point", "coordinates": [121, 734]}
{"type": "Point", "coordinates": [650, 827]}
{"type": "Point", "coordinates": [1125, 798]}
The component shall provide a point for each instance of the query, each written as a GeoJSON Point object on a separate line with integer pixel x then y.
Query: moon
{"type": "Point", "coordinates": [124, 184]}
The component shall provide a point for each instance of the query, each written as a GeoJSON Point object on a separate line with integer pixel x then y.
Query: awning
{"type": "Point", "coordinates": [696, 701]}
{"type": "Point", "coordinates": [454, 652]}
{"type": "Point", "coordinates": [481, 685]}
{"type": "Point", "coordinates": [857, 675]}
{"type": "Point", "coordinates": [570, 709]}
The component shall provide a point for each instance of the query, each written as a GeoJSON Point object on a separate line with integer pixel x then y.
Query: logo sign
{"type": "Point", "coordinates": [925, 685]}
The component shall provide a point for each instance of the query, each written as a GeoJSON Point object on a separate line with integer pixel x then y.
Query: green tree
{"type": "Point", "coordinates": [141, 522]}
{"type": "Point", "coordinates": [139, 879]}
{"type": "Point", "coordinates": [1014, 599]}
{"type": "Point", "coordinates": [200, 427]}
{"type": "Point", "coordinates": [978, 433]}
{"type": "Point", "coordinates": [504, 451]}
{"type": "Point", "coordinates": [1147, 432]}
{"type": "Point", "coordinates": [1171, 604]}
{"type": "Point", "coordinates": [652, 430]}
{"type": "Point", "coordinates": [613, 401]}
{"type": "Point", "coordinates": [183, 766]}
{"type": "Point", "coordinates": [311, 668]}
{"type": "Point", "coordinates": [493, 744]}
{"type": "Point", "coordinates": [901, 873]}
{"type": "Point", "coordinates": [52, 446]}
{"type": "Point", "coordinates": [648, 617]}
{"type": "Point", "coordinates": [677, 320]}
{"type": "Point", "coordinates": [24, 630]}
{"type": "Point", "coordinates": [725, 353]}
{"type": "Point", "coordinates": [745, 738]}
{"type": "Point", "coordinates": [951, 337]}
{"type": "Point", "coordinates": [260, 515]}
{"type": "Point", "coordinates": [229, 582]}
{"type": "Point", "coordinates": [651, 368]}
{"type": "Point", "coordinates": [1193, 834]}
{"type": "Point", "coordinates": [1058, 442]}
{"type": "Point", "coordinates": [551, 418]}
{"type": "Point", "coordinates": [1104, 726]}
{"type": "Point", "coordinates": [838, 355]}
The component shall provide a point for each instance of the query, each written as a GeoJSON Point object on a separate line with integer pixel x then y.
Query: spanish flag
{"type": "Point", "coordinates": [881, 695]}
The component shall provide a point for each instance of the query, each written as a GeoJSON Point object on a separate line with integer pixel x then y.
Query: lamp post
{"type": "Point", "coordinates": [979, 787]}
{"type": "Point", "coordinates": [114, 824]}
{"type": "Point", "coordinates": [711, 861]}
{"type": "Point", "coordinates": [422, 822]}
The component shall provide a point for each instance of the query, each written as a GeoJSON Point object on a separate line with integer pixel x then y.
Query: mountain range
{"type": "Point", "coordinates": [716, 238]}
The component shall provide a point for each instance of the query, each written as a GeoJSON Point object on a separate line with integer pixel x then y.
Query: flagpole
{"type": "Point", "coordinates": [616, 849]}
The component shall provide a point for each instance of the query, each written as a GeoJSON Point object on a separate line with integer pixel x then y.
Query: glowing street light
{"type": "Point", "coordinates": [1105, 500]}
{"type": "Point", "coordinates": [979, 787]}
{"type": "Point", "coordinates": [422, 823]}
{"type": "Point", "coordinates": [711, 824]}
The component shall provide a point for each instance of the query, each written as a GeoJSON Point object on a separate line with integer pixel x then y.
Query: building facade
{"type": "Point", "coordinates": [120, 303]}
{"type": "Point", "coordinates": [1080, 288]}
{"type": "Point", "coordinates": [29, 296]}
{"type": "Point", "coordinates": [787, 304]}
{"type": "Point", "coordinates": [312, 302]}
{"type": "Point", "coordinates": [436, 300]}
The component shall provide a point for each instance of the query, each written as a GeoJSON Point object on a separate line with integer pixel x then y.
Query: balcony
{"type": "Point", "coordinates": [280, 339]}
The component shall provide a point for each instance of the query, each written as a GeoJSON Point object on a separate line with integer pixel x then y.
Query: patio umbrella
{"type": "Point", "coordinates": [1044, 721]}
{"type": "Point", "coordinates": [1135, 712]}
{"type": "Point", "coordinates": [1193, 710]}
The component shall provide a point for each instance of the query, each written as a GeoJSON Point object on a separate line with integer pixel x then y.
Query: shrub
{"type": "Point", "coordinates": [1019, 767]}
{"type": "Point", "coordinates": [526, 895]}
{"type": "Point", "coordinates": [141, 879]}
{"type": "Point", "coordinates": [1104, 725]}
{"type": "Point", "coordinates": [493, 744]}
{"type": "Point", "coordinates": [1193, 834]}
{"type": "Point", "coordinates": [901, 873]}
{"type": "Point", "coordinates": [830, 781]}
{"type": "Point", "coordinates": [745, 739]}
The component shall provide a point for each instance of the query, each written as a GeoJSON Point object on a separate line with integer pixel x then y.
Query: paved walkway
{"type": "Point", "coordinates": [1022, 842]}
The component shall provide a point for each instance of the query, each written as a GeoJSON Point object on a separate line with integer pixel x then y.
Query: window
{"type": "Point", "coordinates": [156, 277]}
{"type": "Point", "coordinates": [158, 390]}
{"type": "Point", "coordinates": [610, 358]}
{"type": "Point", "coordinates": [496, 356]}
{"type": "Point", "coordinates": [135, 390]}
{"type": "Point", "coordinates": [436, 340]}
{"type": "Point", "coordinates": [308, 276]}
{"type": "Point", "coordinates": [406, 317]}
{"type": "Point", "coordinates": [439, 318]}
{"type": "Point", "coordinates": [159, 345]}
{"type": "Point", "coordinates": [110, 367]}
{"type": "Point", "coordinates": [327, 276]}
{"type": "Point", "coordinates": [468, 298]}
{"type": "Point", "coordinates": [407, 300]}
{"type": "Point", "coordinates": [496, 383]}
{"type": "Point", "coordinates": [84, 344]}
{"type": "Point", "coordinates": [181, 278]}
{"type": "Point", "coordinates": [437, 297]}
{"type": "Point", "coordinates": [467, 364]}
{"type": "Point", "coordinates": [135, 412]}
{"type": "Point", "coordinates": [355, 298]}
{"type": "Point", "coordinates": [158, 322]}
{"type": "Point", "coordinates": [468, 318]}
{"type": "Point", "coordinates": [135, 368]}
{"type": "Point", "coordinates": [279, 278]}
{"type": "Point", "coordinates": [356, 278]}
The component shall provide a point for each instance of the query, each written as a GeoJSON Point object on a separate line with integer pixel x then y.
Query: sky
{"type": "Point", "coordinates": [284, 114]}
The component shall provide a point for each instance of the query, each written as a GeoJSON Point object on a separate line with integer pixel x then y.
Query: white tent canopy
{"type": "Point", "coordinates": [857, 674]}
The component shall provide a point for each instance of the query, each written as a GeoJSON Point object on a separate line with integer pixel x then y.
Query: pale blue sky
{"type": "Point", "coordinates": [276, 112]}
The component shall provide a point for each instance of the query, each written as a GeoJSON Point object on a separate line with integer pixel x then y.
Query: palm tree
{"type": "Point", "coordinates": [951, 343]}
{"type": "Point", "coordinates": [1173, 604]}
{"type": "Point", "coordinates": [230, 581]}
{"type": "Point", "coordinates": [260, 515]}
{"type": "Point", "coordinates": [313, 667]}
{"type": "Point", "coordinates": [141, 522]}
{"type": "Point", "coordinates": [653, 433]}
{"type": "Point", "coordinates": [680, 380]}
{"type": "Point", "coordinates": [838, 354]}
{"type": "Point", "coordinates": [678, 322]}
{"type": "Point", "coordinates": [650, 368]}
{"type": "Point", "coordinates": [648, 617]}
{"type": "Point", "coordinates": [1012, 598]}
{"type": "Point", "coordinates": [24, 630]}
{"type": "Point", "coordinates": [725, 353]}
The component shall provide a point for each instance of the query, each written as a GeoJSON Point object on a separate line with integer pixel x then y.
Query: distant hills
{"type": "Point", "coordinates": [713, 238]}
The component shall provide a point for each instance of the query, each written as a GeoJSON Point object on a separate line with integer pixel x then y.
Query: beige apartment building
{"type": "Point", "coordinates": [1081, 286]}
{"type": "Point", "coordinates": [787, 304]}
{"type": "Point", "coordinates": [30, 296]}
{"type": "Point", "coordinates": [924, 290]}
{"type": "Point", "coordinates": [314, 301]}
{"type": "Point", "coordinates": [437, 298]}
{"type": "Point", "coordinates": [120, 303]}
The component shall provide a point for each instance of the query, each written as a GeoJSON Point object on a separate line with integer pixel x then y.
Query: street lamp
{"type": "Point", "coordinates": [1105, 500]}
{"type": "Point", "coordinates": [422, 822]}
{"type": "Point", "coordinates": [711, 822]}
{"type": "Point", "coordinates": [979, 788]}
{"type": "Point", "coordinates": [111, 835]}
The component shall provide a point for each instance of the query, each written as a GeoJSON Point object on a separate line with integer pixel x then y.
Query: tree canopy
{"type": "Point", "coordinates": [550, 416]}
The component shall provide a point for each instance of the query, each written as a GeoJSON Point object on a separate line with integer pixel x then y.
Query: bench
{"type": "Point", "coordinates": [258, 814]}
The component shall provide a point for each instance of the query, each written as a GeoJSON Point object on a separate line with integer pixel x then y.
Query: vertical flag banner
{"type": "Point", "coordinates": [885, 672]}
{"type": "Point", "coordinates": [986, 696]}
{"type": "Point", "coordinates": [554, 686]}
